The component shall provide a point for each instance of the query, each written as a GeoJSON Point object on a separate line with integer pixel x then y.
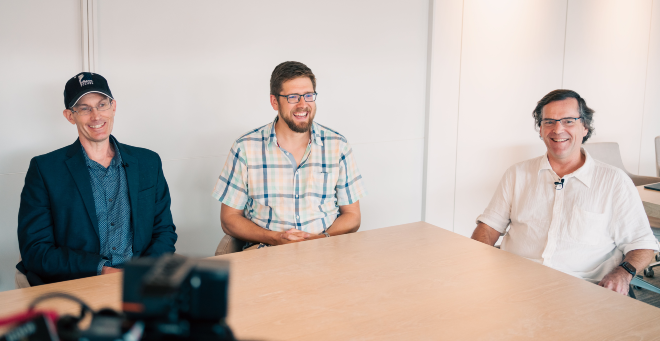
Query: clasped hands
{"type": "Point", "coordinates": [294, 236]}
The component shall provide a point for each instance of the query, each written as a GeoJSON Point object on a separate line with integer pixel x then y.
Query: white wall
{"type": "Point", "coordinates": [191, 77]}
{"type": "Point", "coordinates": [510, 54]}
{"type": "Point", "coordinates": [442, 130]}
{"type": "Point", "coordinates": [606, 57]}
{"type": "Point", "coordinates": [41, 49]}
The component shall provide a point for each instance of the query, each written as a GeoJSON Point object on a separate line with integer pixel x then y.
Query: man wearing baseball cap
{"type": "Point", "coordinates": [90, 207]}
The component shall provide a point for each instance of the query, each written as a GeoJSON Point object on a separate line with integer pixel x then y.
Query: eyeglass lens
{"type": "Point", "coordinates": [566, 122]}
{"type": "Point", "coordinates": [86, 110]}
{"type": "Point", "coordinates": [309, 97]}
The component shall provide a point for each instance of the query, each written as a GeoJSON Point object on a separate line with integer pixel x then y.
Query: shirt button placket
{"type": "Point", "coordinates": [553, 232]}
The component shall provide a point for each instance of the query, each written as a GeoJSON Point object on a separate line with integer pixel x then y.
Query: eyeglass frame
{"type": "Point", "coordinates": [554, 122]}
{"type": "Point", "coordinates": [299, 96]}
{"type": "Point", "coordinates": [110, 100]}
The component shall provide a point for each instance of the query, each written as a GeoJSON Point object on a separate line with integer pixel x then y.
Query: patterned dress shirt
{"type": "Point", "coordinates": [113, 210]}
{"type": "Point", "coordinates": [264, 180]}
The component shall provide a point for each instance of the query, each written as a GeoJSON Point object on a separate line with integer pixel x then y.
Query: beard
{"type": "Point", "coordinates": [298, 127]}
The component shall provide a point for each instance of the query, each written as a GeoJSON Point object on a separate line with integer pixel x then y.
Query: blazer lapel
{"type": "Point", "coordinates": [78, 168]}
{"type": "Point", "coordinates": [133, 176]}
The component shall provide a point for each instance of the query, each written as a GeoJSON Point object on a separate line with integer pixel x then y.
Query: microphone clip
{"type": "Point", "coordinates": [559, 184]}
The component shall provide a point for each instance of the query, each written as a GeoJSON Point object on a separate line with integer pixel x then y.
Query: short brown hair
{"type": "Point", "coordinates": [287, 71]}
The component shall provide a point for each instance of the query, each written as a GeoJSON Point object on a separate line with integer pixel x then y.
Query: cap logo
{"type": "Point", "coordinates": [84, 82]}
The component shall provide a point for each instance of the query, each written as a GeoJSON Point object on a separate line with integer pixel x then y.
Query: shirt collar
{"type": "Point", "coordinates": [116, 160]}
{"type": "Point", "coordinates": [272, 139]}
{"type": "Point", "coordinates": [584, 174]}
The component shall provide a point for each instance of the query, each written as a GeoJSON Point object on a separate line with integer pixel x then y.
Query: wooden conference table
{"type": "Point", "coordinates": [407, 282]}
{"type": "Point", "coordinates": [651, 201]}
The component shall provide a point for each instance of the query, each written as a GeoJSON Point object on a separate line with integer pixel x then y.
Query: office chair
{"type": "Point", "coordinates": [20, 280]}
{"type": "Point", "coordinates": [609, 153]}
{"type": "Point", "coordinates": [229, 244]}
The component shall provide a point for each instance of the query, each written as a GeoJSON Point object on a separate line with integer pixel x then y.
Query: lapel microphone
{"type": "Point", "coordinates": [559, 184]}
{"type": "Point", "coordinates": [125, 165]}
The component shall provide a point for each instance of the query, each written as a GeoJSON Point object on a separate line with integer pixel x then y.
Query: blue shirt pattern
{"type": "Point", "coordinates": [113, 210]}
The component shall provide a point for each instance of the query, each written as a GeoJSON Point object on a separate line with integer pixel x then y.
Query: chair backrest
{"type": "Point", "coordinates": [607, 152]}
{"type": "Point", "coordinates": [20, 280]}
{"type": "Point", "coordinates": [657, 155]}
{"type": "Point", "coordinates": [229, 244]}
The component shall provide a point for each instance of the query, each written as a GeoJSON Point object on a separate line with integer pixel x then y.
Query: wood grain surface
{"type": "Point", "coordinates": [407, 282]}
{"type": "Point", "coordinates": [651, 201]}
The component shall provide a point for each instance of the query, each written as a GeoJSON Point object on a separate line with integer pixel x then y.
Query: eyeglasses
{"type": "Point", "coordinates": [566, 122]}
{"type": "Point", "coordinates": [85, 110]}
{"type": "Point", "coordinates": [293, 99]}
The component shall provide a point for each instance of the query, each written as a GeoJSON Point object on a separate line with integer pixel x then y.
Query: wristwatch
{"type": "Point", "coordinates": [631, 269]}
{"type": "Point", "coordinates": [326, 234]}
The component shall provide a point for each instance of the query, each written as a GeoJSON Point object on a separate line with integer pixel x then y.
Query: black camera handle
{"type": "Point", "coordinates": [84, 308]}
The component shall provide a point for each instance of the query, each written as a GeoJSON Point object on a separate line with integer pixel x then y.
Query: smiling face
{"type": "Point", "coordinates": [97, 125]}
{"type": "Point", "coordinates": [563, 143]}
{"type": "Point", "coordinates": [297, 116]}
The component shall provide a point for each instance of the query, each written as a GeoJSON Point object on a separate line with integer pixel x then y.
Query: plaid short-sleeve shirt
{"type": "Point", "coordinates": [264, 181]}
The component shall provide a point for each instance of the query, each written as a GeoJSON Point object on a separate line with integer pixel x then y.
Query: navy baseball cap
{"type": "Point", "coordinates": [82, 84]}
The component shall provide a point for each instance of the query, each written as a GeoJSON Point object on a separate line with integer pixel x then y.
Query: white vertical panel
{"type": "Point", "coordinates": [88, 25]}
{"type": "Point", "coordinates": [192, 76]}
{"type": "Point", "coordinates": [606, 59]}
{"type": "Point", "coordinates": [651, 121]}
{"type": "Point", "coordinates": [443, 112]}
{"type": "Point", "coordinates": [40, 49]}
{"type": "Point", "coordinates": [512, 56]}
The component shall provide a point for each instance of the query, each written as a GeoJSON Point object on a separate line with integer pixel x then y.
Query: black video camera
{"type": "Point", "coordinates": [178, 297]}
{"type": "Point", "coordinates": [166, 298]}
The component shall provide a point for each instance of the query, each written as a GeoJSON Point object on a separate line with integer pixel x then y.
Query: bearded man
{"type": "Point", "coordinates": [293, 179]}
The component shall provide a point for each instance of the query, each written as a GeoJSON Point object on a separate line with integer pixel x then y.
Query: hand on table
{"type": "Point", "coordinates": [108, 270]}
{"type": "Point", "coordinates": [294, 235]}
{"type": "Point", "coordinates": [618, 280]}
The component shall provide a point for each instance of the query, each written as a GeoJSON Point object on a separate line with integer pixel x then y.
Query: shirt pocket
{"type": "Point", "coordinates": [323, 183]}
{"type": "Point", "coordinates": [588, 228]}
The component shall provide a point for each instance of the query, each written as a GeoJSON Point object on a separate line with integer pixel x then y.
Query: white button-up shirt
{"type": "Point", "coordinates": [582, 229]}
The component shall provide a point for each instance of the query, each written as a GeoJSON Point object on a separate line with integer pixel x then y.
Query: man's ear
{"type": "Point", "coordinates": [274, 102]}
{"type": "Point", "coordinates": [68, 114]}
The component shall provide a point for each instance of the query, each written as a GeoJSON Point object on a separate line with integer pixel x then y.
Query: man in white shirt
{"type": "Point", "coordinates": [567, 210]}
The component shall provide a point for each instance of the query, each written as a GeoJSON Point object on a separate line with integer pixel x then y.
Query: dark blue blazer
{"type": "Point", "coordinates": [58, 233]}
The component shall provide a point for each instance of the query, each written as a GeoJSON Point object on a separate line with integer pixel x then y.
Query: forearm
{"type": "Point", "coordinates": [348, 222]}
{"type": "Point", "coordinates": [242, 228]}
{"type": "Point", "coordinates": [59, 263]}
{"type": "Point", "coordinates": [163, 240]}
{"type": "Point", "coordinates": [640, 259]}
{"type": "Point", "coordinates": [485, 234]}
{"type": "Point", "coordinates": [619, 279]}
